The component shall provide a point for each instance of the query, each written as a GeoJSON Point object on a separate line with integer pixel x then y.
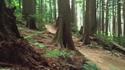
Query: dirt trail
{"type": "Point", "coordinates": [104, 60]}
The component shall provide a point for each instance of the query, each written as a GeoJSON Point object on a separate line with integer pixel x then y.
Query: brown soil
{"type": "Point", "coordinates": [103, 59]}
{"type": "Point", "coordinates": [19, 55]}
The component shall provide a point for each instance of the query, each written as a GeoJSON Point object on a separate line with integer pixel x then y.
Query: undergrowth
{"type": "Point", "coordinates": [90, 66]}
{"type": "Point", "coordinates": [111, 38]}
{"type": "Point", "coordinates": [59, 53]}
{"type": "Point", "coordinates": [33, 41]}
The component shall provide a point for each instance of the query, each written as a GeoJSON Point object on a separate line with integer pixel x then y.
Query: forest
{"type": "Point", "coordinates": [62, 34]}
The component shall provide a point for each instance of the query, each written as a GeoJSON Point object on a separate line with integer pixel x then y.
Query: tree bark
{"type": "Point", "coordinates": [13, 49]}
{"type": "Point", "coordinates": [119, 18]}
{"type": "Point", "coordinates": [107, 17]}
{"type": "Point", "coordinates": [90, 21]}
{"type": "Point", "coordinates": [102, 21]}
{"type": "Point", "coordinates": [124, 15]}
{"type": "Point", "coordinates": [114, 18]}
{"type": "Point", "coordinates": [29, 11]}
{"type": "Point", "coordinates": [63, 35]}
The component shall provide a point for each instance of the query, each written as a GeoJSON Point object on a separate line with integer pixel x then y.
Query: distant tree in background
{"type": "Point", "coordinates": [105, 18]}
{"type": "Point", "coordinates": [124, 15]}
{"type": "Point", "coordinates": [119, 17]}
{"type": "Point", "coordinates": [74, 16]}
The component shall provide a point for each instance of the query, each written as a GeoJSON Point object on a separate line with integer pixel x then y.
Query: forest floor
{"type": "Point", "coordinates": [103, 58]}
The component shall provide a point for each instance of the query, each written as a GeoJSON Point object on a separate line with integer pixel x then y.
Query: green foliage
{"type": "Point", "coordinates": [33, 41]}
{"type": "Point", "coordinates": [109, 39]}
{"type": "Point", "coordinates": [30, 39]}
{"type": "Point", "coordinates": [120, 40]}
{"type": "Point", "coordinates": [58, 53]}
{"type": "Point", "coordinates": [40, 21]}
{"type": "Point", "coordinates": [39, 45]}
{"type": "Point", "coordinates": [90, 66]}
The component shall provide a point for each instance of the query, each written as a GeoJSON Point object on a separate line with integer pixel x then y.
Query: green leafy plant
{"type": "Point", "coordinates": [57, 53]}
{"type": "Point", "coordinates": [34, 42]}
{"type": "Point", "coordinates": [39, 45]}
{"type": "Point", "coordinates": [90, 66]}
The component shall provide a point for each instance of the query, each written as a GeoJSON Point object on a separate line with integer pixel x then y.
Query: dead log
{"type": "Point", "coordinates": [118, 47]}
{"type": "Point", "coordinates": [108, 46]}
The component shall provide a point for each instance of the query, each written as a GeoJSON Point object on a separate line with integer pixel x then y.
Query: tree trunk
{"type": "Point", "coordinates": [13, 49]}
{"type": "Point", "coordinates": [119, 18]}
{"type": "Point", "coordinates": [63, 35]}
{"type": "Point", "coordinates": [73, 16]}
{"type": "Point", "coordinates": [90, 21]}
{"type": "Point", "coordinates": [29, 11]}
{"type": "Point", "coordinates": [114, 18]}
{"type": "Point", "coordinates": [124, 15]}
{"type": "Point", "coordinates": [8, 27]}
{"type": "Point", "coordinates": [55, 9]}
{"type": "Point", "coordinates": [107, 17]}
{"type": "Point", "coordinates": [102, 21]}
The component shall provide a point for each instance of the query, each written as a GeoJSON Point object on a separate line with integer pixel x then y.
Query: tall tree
{"type": "Point", "coordinates": [73, 14]}
{"type": "Point", "coordinates": [119, 17]}
{"type": "Point", "coordinates": [13, 49]}
{"type": "Point", "coordinates": [107, 17]}
{"type": "Point", "coordinates": [8, 25]}
{"type": "Point", "coordinates": [102, 18]}
{"type": "Point", "coordinates": [63, 35]}
{"type": "Point", "coordinates": [29, 11]}
{"type": "Point", "coordinates": [114, 17]}
{"type": "Point", "coordinates": [90, 21]}
{"type": "Point", "coordinates": [124, 15]}
{"type": "Point", "coordinates": [55, 8]}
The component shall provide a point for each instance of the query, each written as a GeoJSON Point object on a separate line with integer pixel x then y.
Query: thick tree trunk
{"type": "Point", "coordinates": [13, 49]}
{"type": "Point", "coordinates": [8, 22]}
{"type": "Point", "coordinates": [90, 21]}
{"type": "Point", "coordinates": [31, 22]}
{"type": "Point", "coordinates": [63, 35]}
{"type": "Point", "coordinates": [28, 12]}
